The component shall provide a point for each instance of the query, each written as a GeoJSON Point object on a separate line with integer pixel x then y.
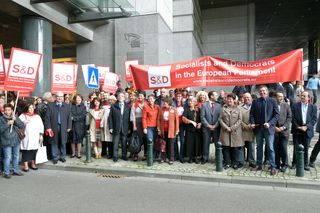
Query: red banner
{"type": "Point", "coordinates": [127, 69]}
{"type": "Point", "coordinates": [102, 70]}
{"type": "Point", "coordinates": [23, 70]}
{"type": "Point", "coordinates": [110, 82]}
{"type": "Point", "coordinates": [213, 71]}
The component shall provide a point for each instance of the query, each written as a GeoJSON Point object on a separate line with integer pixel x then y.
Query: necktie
{"type": "Point", "coordinates": [59, 113]}
{"type": "Point", "coordinates": [212, 107]}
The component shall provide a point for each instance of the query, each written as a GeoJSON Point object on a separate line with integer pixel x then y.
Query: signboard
{"type": "Point", "coordinates": [214, 71]}
{"type": "Point", "coordinates": [2, 69]}
{"type": "Point", "coordinates": [110, 82]}
{"type": "Point", "coordinates": [63, 78]}
{"type": "Point", "coordinates": [127, 69]}
{"type": "Point", "coordinates": [85, 71]}
{"type": "Point", "coordinates": [93, 78]}
{"type": "Point", "coordinates": [23, 70]}
{"type": "Point", "coordinates": [102, 72]}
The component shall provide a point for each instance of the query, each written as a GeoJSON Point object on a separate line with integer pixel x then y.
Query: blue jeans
{"type": "Point", "coordinates": [8, 152]}
{"type": "Point", "coordinates": [151, 137]}
{"type": "Point", "coordinates": [269, 138]}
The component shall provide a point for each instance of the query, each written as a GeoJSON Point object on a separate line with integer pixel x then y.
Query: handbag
{"type": "Point", "coordinates": [160, 145]}
{"type": "Point", "coordinates": [41, 156]}
{"type": "Point", "coordinates": [20, 132]}
{"type": "Point", "coordinates": [135, 143]}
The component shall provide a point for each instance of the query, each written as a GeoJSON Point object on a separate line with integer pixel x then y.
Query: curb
{"type": "Point", "coordinates": [215, 178]}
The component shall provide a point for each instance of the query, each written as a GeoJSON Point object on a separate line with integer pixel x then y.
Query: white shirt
{"type": "Point", "coordinates": [121, 107]}
{"type": "Point", "coordinates": [304, 109]}
{"type": "Point", "coordinates": [166, 115]}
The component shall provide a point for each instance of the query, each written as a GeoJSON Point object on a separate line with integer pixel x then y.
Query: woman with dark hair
{"type": "Point", "coordinates": [136, 119]}
{"type": "Point", "coordinates": [168, 128]}
{"type": "Point", "coordinates": [78, 116]}
{"type": "Point", "coordinates": [231, 133]}
{"type": "Point", "coordinates": [96, 114]}
{"type": "Point", "coordinates": [10, 141]}
{"type": "Point", "coordinates": [34, 136]}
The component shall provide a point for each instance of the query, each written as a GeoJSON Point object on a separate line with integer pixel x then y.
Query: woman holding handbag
{"type": "Point", "coordinates": [96, 114]}
{"type": "Point", "coordinates": [136, 119]}
{"type": "Point", "coordinates": [34, 137]}
{"type": "Point", "coordinates": [168, 128]}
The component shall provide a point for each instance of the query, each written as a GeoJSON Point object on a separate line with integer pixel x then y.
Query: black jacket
{"type": "Point", "coordinates": [117, 122]}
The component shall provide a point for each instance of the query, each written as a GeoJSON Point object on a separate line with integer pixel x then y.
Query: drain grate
{"type": "Point", "coordinates": [106, 175]}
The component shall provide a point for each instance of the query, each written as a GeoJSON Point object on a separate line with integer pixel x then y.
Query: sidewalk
{"type": "Point", "coordinates": [196, 172]}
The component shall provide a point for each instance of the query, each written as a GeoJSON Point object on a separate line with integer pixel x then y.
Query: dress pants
{"type": "Point", "coordinates": [58, 148]}
{"type": "Point", "coordinates": [250, 151]}
{"type": "Point", "coordinates": [232, 155]}
{"type": "Point", "coordinates": [207, 136]}
{"type": "Point", "coordinates": [305, 141]}
{"type": "Point", "coordinates": [315, 151]}
{"type": "Point", "coordinates": [120, 137]}
{"type": "Point", "coordinates": [281, 150]}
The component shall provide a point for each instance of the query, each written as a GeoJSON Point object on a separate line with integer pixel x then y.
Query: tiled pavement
{"type": "Point", "coordinates": [195, 171]}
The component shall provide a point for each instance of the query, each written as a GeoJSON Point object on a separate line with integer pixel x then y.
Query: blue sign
{"type": "Point", "coordinates": [93, 78]}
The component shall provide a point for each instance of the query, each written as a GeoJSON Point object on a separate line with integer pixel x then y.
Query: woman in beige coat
{"type": "Point", "coordinates": [231, 133]}
{"type": "Point", "coordinates": [96, 114]}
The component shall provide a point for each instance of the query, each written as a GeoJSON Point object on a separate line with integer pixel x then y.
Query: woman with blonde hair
{"type": "Point", "coordinates": [202, 97]}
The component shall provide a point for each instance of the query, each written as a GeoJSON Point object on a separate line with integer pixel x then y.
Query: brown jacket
{"type": "Point", "coordinates": [247, 133]}
{"type": "Point", "coordinates": [231, 118]}
{"type": "Point", "coordinates": [173, 123]}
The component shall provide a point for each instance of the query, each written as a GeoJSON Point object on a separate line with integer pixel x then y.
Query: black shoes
{"type": "Point", "coordinates": [283, 169]}
{"type": "Point", "coordinates": [204, 161]}
{"type": "Point", "coordinates": [54, 161]}
{"type": "Point", "coordinates": [62, 160]}
{"type": "Point", "coordinates": [17, 174]}
{"type": "Point", "coordinates": [312, 164]}
{"type": "Point", "coordinates": [306, 168]}
{"type": "Point", "coordinates": [7, 176]}
{"type": "Point", "coordinates": [115, 160]}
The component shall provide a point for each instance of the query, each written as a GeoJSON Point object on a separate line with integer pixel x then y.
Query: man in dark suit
{"type": "Point", "coordinates": [282, 133]}
{"type": "Point", "coordinates": [304, 117]}
{"type": "Point", "coordinates": [264, 115]}
{"type": "Point", "coordinates": [57, 124]}
{"type": "Point", "coordinates": [290, 92]}
{"type": "Point", "coordinates": [210, 112]}
{"type": "Point", "coordinates": [119, 119]}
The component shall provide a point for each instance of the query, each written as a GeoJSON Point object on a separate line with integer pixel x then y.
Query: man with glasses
{"type": "Point", "coordinates": [57, 124]}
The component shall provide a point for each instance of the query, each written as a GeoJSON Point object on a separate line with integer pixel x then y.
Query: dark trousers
{"type": "Point", "coordinates": [46, 142]}
{"type": "Point", "coordinates": [207, 136]}
{"type": "Point", "coordinates": [281, 150]}
{"type": "Point", "coordinates": [314, 93]}
{"type": "Point", "coordinates": [169, 148]}
{"type": "Point", "coordinates": [58, 148]}
{"type": "Point", "coordinates": [315, 151]}
{"type": "Point", "coordinates": [179, 154]}
{"type": "Point", "coordinates": [116, 139]}
{"type": "Point", "coordinates": [109, 145]}
{"type": "Point", "coordinates": [304, 140]}
{"type": "Point", "coordinates": [232, 155]}
{"type": "Point", "coordinates": [249, 149]}
{"type": "Point", "coordinates": [192, 144]}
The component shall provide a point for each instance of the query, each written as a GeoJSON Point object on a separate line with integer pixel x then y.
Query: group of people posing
{"type": "Point", "coordinates": [187, 121]}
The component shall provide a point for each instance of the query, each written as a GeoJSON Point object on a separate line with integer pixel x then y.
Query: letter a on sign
{"type": "Point", "coordinates": [93, 78]}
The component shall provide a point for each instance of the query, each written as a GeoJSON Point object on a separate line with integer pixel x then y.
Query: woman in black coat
{"type": "Point", "coordinates": [192, 120]}
{"type": "Point", "coordinates": [78, 116]}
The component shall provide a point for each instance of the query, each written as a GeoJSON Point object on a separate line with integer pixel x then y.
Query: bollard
{"type": "Point", "coordinates": [300, 161]}
{"type": "Point", "coordinates": [88, 147]}
{"type": "Point", "coordinates": [150, 153]}
{"type": "Point", "coordinates": [219, 164]}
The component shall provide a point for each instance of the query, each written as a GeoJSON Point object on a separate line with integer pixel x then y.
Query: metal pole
{"type": "Point", "coordinates": [219, 164]}
{"type": "Point", "coordinates": [300, 161]}
{"type": "Point", "coordinates": [150, 153]}
{"type": "Point", "coordinates": [88, 147]}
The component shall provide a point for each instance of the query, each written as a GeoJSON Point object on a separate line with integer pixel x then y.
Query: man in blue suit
{"type": "Point", "coordinates": [304, 117]}
{"type": "Point", "coordinates": [264, 115]}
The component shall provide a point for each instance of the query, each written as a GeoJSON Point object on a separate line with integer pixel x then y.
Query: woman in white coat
{"type": "Point", "coordinates": [34, 136]}
{"type": "Point", "coordinates": [107, 137]}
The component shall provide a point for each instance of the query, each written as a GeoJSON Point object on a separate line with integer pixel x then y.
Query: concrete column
{"type": "Point", "coordinates": [312, 57]}
{"type": "Point", "coordinates": [37, 36]}
{"type": "Point", "coordinates": [251, 32]}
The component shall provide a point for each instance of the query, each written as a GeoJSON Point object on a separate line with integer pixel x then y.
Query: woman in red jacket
{"type": "Point", "coordinates": [168, 128]}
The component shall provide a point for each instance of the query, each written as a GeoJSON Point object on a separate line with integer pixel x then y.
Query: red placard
{"type": "Point", "coordinates": [127, 69]}
{"type": "Point", "coordinates": [110, 82]}
{"type": "Point", "coordinates": [102, 70]}
{"type": "Point", "coordinates": [23, 70]}
{"type": "Point", "coordinates": [213, 71]}
{"type": "Point", "coordinates": [63, 75]}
